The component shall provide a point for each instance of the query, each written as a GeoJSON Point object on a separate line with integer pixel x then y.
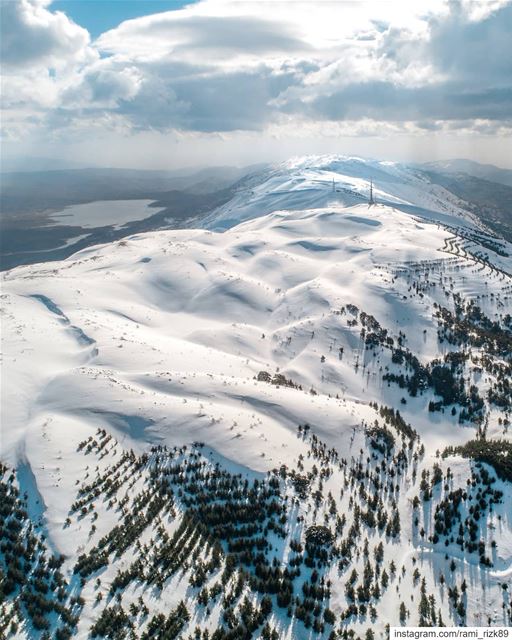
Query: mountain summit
{"type": "Point", "coordinates": [319, 181]}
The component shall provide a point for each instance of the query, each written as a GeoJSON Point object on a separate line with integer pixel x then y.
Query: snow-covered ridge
{"type": "Point", "coordinates": [319, 181]}
{"type": "Point", "coordinates": [233, 340]}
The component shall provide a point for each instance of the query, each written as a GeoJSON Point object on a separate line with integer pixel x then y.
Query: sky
{"type": "Point", "coordinates": [167, 84]}
{"type": "Point", "coordinates": [98, 16]}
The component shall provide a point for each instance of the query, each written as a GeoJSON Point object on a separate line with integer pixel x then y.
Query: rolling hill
{"type": "Point", "coordinates": [298, 427]}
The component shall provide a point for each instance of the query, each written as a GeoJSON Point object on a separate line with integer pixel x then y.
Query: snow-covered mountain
{"type": "Point", "coordinates": [297, 428]}
{"type": "Point", "coordinates": [320, 181]}
{"type": "Point", "coordinates": [471, 168]}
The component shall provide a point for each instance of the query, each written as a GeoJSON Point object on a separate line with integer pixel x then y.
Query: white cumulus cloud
{"type": "Point", "coordinates": [221, 66]}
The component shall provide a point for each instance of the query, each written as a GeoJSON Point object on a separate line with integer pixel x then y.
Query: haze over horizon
{"type": "Point", "coordinates": [216, 82]}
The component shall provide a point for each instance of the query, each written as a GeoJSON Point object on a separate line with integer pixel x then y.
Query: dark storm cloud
{"type": "Point", "coordinates": [188, 97]}
{"type": "Point", "coordinates": [220, 102]}
{"type": "Point", "coordinates": [387, 101]}
{"type": "Point", "coordinates": [478, 52]}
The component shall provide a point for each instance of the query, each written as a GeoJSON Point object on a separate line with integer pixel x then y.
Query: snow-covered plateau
{"type": "Point", "coordinates": [292, 423]}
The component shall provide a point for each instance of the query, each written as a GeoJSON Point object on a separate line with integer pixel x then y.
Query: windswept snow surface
{"type": "Point", "coordinates": [159, 339]}
{"type": "Point", "coordinates": [324, 181]}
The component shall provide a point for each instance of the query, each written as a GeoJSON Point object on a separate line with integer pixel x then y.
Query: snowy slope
{"type": "Point", "coordinates": [319, 181]}
{"type": "Point", "coordinates": [159, 340]}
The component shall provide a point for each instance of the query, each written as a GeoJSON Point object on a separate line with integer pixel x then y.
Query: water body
{"type": "Point", "coordinates": [73, 240]}
{"type": "Point", "coordinates": [105, 213]}
{"type": "Point", "coordinates": [30, 239]}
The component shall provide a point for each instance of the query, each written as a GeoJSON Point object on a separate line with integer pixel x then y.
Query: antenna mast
{"type": "Point", "coordinates": [371, 201]}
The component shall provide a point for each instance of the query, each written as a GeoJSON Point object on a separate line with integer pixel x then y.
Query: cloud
{"type": "Point", "coordinates": [389, 102]}
{"type": "Point", "coordinates": [460, 70]}
{"type": "Point", "coordinates": [168, 95]}
{"type": "Point", "coordinates": [33, 35]}
{"type": "Point", "coordinates": [218, 66]}
{"type": "Point", "coordinates": [101, 86]}
{"type": "Point", "coordinates": [474, 50]}
{"type": "Point", "coordinates": [181, 32]}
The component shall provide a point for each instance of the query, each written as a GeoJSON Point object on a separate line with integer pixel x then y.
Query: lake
{"type": "Point", "coordinates": [105, 213]}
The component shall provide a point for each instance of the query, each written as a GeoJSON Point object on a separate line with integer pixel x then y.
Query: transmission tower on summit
{"type": "Point", "coordinates": [371, 200]}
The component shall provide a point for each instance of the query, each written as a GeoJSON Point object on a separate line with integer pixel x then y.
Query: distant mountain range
{"type": "Point", "coordinates": [486, 189]}
{"type": "Point", "coordinates": [471, 168]}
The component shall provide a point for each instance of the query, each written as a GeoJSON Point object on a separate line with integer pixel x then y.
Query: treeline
{"type": "Point", "coordinates": [497, 453]}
